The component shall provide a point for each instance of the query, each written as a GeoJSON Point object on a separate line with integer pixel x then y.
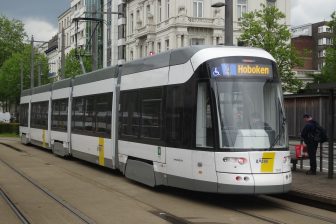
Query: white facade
{"type": "Point", "coordinates": [154, 26]}
{"type": "Point", "coordinates": [64, 23]}
{"type": "Point", "coordinates": [110, 53]}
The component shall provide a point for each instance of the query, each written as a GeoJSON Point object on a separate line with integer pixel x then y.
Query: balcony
{"type": "Point", "coordinates": [145, 30]}
{"type": "Point", "coordinates": [199, 20]}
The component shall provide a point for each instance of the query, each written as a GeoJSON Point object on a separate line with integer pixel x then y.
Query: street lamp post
{"type": "Point", "coordinates": [228, 27]}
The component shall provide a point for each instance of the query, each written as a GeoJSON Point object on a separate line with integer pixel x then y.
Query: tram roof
{"type": "Point", "coordinates": [101, 74]}
{"type": "Point", "coordinates": [62, 84]}
{"type": "Point", "coordinates": [173, 57]}
{"type": "Point", "coordinates": [169, 58]}
{"type": "Point", "coordinates": [26, 92]}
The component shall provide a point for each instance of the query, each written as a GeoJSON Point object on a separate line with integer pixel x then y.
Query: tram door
{"type": "Point", "coordinates": [203, 166]}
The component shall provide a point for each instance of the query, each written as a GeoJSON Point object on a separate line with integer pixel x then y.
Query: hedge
{"type": "Point", "coordinates": [9, 128]}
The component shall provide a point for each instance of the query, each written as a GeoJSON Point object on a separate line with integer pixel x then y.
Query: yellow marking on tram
{"type": "Point", "coordinates": [101, 151]}
{"type": "Point", "coordinates": [267, 162]}
{"type": "Point", "coordinates": [43, 138]}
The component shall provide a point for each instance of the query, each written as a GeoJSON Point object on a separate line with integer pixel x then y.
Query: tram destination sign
{"type": "Point", "coordinates": [241, 70]}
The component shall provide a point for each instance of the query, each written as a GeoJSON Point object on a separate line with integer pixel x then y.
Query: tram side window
{"type": "Point", "coordinates": [103, 113]}
{"type": "Point", "coordinates": [151, 113]}
{"type": "Point", "coordinates": [129, 114]}
{"type": "Point", "coordinates": [24, 114]}
{"type": "Point", "coordinates": [89, 114]}
{"type": "Point", "coordinates": [92, 114]}
{"type": "Point", "coordinates": [59, 117]}
{"type": "Point", "coordinates": [174, 116]}
{"type": "Point", "coordinates": [39, 115]}
{"type": "Point", "coordinates": [78, 113]}
{"type": "Point", "coordinates": [204, 130]}
{"type": "Point", "coordinates": [141, 115]}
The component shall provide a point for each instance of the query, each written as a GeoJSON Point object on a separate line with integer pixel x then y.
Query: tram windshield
{"type": "Point", "coordinates": [249, 103]}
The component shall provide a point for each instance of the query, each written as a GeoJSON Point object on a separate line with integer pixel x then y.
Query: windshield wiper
{"type": "Point", "coordinates": [277, 138]}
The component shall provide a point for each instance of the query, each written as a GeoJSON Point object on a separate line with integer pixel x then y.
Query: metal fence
{"type": "Point", "coordinates": [296, 106]}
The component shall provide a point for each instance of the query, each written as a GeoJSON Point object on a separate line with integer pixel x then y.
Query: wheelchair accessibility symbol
{"type": "Point", "coordinates": [215, 72]}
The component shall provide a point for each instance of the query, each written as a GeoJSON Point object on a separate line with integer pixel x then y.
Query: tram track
{"type": "Point", "coordinates": [171, 218]}
{"type": "Point", "coordinates": [180, 220]}
{"type": "Point", "coordinates": [154, 209]}
{"type": "Point", "coordinates": [54, 197]}
{"type": "Point", "coordinates": [19, 214]}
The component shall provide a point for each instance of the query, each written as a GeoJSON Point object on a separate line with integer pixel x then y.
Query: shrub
{"type": "Point", "coordinates": [9, 128]}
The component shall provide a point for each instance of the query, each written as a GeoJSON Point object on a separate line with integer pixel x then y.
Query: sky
{"type": "Point", "coordinates": [40, 16]}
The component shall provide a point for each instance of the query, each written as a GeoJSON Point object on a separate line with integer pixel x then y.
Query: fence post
{"type": "Point", "coordinates": [321, 157]}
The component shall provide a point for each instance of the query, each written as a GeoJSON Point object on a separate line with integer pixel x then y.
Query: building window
{"type": "Point", "coordinates": [198, 8]}
{"type": "Point", "coordinates": [325, 41]}
{"type": "Point", "coordinates": [271, 3]}
{"type": "Point", "coordinates": [322, 53]}
{"type": "Point", "coordinates": [147, 13]}
{"type": "Point", "coordinates": [132, 23]}
{"type": "Point", "coordinates": [122, 10]}
{"type": "Point", "coordinates": [159, 47]}
{"type": "Point", "coordinates": [197, 41]}
{"type": "Point", "coordinates": [159, 11]}
{"type": "Point", "coordinates": [324, 29]}
{"type": "Point", "coordinates": [167, 45]}
{"type": "Point", "coordinates": [167, 8]}
{"type": "Point", "coordinates": [131, 55]}
{"type": "Point", "coordinates": [241, 8]}
{"type": "Point", "coordinates": [321, 65]}
{"type": "Point", "coordinates": [121, 52]}
{"type": "Point", "coordinates": [121, 32]}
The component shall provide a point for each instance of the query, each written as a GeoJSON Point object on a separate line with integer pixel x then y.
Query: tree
{"type": "Point", "coordinates": [11, 37]}
{"type": "Point", "coordinates": [263, 29]}
{"type": "Point", "coordinates": [72, 65]}
{"type": "Point", "coordinates": [11, 70]}
{"type": "Point", "coordinates": [329, 70]}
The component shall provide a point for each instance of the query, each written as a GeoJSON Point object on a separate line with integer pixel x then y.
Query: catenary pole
{"type": "Point", "coordinates": [32, 63]}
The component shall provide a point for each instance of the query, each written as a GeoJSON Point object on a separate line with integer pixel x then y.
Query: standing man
{"type": "Point", "coordinates": [307, 135]}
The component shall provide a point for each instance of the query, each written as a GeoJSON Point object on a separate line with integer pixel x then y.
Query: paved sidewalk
{"type": "Point", "coordinates": [318, 188]}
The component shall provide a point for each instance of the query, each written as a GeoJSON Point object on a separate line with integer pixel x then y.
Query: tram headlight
{"type": "Point", "coordinates": [286, 159]}
{"type": "Point", "coordinates": [240, 160]}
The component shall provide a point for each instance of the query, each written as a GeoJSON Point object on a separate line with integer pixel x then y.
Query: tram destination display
{"type": "Point", "coordinates": [241, 70]}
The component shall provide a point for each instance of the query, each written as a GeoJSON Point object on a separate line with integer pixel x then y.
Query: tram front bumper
{"type": "Point", "coordinates": [232, 183]}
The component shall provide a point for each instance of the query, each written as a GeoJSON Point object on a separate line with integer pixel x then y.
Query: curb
{"type": "Point", "coordinates": [313, 197]}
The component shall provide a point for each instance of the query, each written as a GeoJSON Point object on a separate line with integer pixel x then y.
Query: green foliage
{"type": "Point", "coordinates": [10, 73]}
{"type": "Point", "coordinates": [263, 29]}
{"type": "Point", "coordinates": [72, 65]}
{"type": "Point", "coordinates": [329, 70]}
{"type": "Point", "coordinates": [9, 128]}
{"type": "Point", "coordinates": [11, 37]}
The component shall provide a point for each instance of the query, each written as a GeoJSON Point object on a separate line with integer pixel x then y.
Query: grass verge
{"type": "Point", "coordinates": [11, 135]}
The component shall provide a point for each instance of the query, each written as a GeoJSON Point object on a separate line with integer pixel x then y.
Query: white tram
{"type": "Point", "coordinates": [200, 118]}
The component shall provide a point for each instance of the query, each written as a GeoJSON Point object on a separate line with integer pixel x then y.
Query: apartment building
{"type": "Point", "coordinates": [154, 26]}
{"type": "Point", "coordinates": [124, 30]}
{"type": "Point", "coordinates": [312, 40]}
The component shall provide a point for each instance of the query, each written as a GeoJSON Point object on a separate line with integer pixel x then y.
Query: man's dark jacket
{"type": "Point", "coordinates": [307, 133]}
